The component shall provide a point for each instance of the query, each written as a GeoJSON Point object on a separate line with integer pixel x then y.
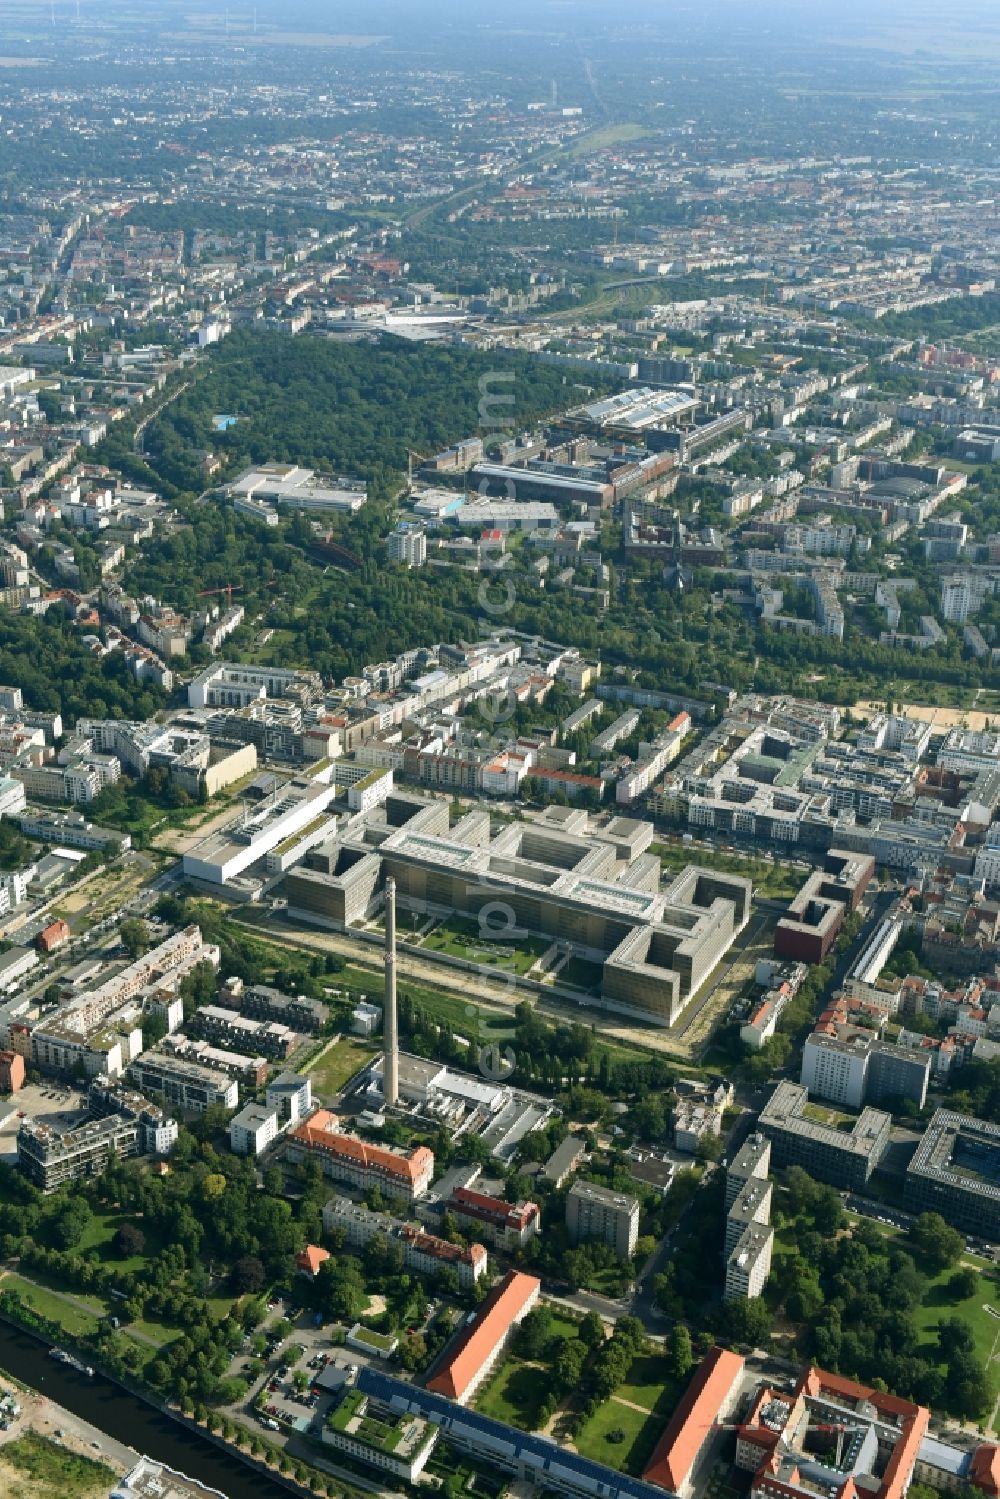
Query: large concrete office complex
{"type": "Point", "coordinates": [594, 1212]}
{"type": "Point", "coordinates": [599, 894]}
{"type": "Point", "coordinates": [955, 1171]}
{"type": "Point", "coordinates": [800, 1137]}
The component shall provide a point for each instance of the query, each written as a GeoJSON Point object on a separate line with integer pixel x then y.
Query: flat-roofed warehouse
{"type": "Point", "coordinates": [633, 411]}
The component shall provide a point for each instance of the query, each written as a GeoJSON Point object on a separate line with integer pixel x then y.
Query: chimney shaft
{"type": "Point", "coordinates": [390, 1026]}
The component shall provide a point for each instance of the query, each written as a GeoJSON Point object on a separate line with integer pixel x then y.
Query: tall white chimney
{"type": "Point", "coordinates": [390, 1023]}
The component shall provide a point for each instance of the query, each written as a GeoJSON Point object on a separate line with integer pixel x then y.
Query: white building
{"type": "Point", "coordinates": [749, 1264]}
{"type": "Point", "coordinates": [835, 1070]}
{"type": "Point", "coordinates": [290, 1096]}
{"type": "Point", "coordinates": [253, 1129]}
{"type": "Point", "coordinates": [408, 544]}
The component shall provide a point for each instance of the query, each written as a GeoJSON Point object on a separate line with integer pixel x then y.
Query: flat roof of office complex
{"type": "Point", "coordinates": [962, 1152]}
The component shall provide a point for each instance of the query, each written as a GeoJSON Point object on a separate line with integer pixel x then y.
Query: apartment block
{"type": "Point", "coordinates": [751, 1207]}
{"type": "Point", "coordinates": [594, 1212]}
{"type": "Point", "coordinates": [253, 1129]}
{"type": "Point", "coordinates": [423, 1253]}
{"type": "Point", "coordinates": [749, 1264]}
{"type": "Point", "coordinates": [184, 1085]}
{"type": "Point", "coordinates": [751, 1162]}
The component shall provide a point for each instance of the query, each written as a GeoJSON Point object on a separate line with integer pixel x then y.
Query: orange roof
{"type": "Point", "coordinates": [311, 1258]}
{"type": "Point", "coordinates": [913, 1421]}
{"type": "Point", "coordinates": [984, 1470]}
{"type": "Point", "coordinates": [505, 1304]}
{"type": "Point", "coordinates": [321, 1133]}
{"type": "Point", "coordinates": [691, 1423]}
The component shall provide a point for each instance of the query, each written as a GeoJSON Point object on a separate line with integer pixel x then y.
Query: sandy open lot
{"type": "Point", "coordinates": [941, 718]}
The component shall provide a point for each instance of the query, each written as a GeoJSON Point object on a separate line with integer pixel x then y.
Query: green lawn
{"type": "Point", "coordinates": [516, 1394]}
{"type": "Point", "coordinates": [49, 1303]}
{"type": "Point", "coordinates": [467, 939]}
{"type": "Point", "coordinates": [632, 1451]}
{"type": "Point", "coordinates": [648, 1384]}
{"type": "Point", "coordinates": [341, 1062]}
{"type": "Point", "coordinates": [939, 1305]}
{"type": "Point", "coordinates": [776, 881]}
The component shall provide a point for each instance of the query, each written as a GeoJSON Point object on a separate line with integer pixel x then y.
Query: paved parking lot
{"type": "Point", "coordinates": [56, 1104]}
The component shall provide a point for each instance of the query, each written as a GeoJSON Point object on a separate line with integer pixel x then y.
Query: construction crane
{"type": "Point", "coordinates": [228, 590]}
{"type": "Point", "coordinates": [410, 455]}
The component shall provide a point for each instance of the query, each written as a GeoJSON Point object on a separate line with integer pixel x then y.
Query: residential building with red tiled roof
{"type": "Point", "coordinates": [686, 1440]}
{"type": "Point", "coordinates": [481, 1342]}
{"type": "Point", "coordinates": [308, 1260]}
{"type": "Point", "coordinates": [505, 1225]}
{"type": "Point", "coordinates": [346, 1158]}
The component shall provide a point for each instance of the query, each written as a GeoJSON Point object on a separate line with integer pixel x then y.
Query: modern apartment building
{"type": "Point", "coordinates": [750, 1163]}
{"type": "Point", "coordinates": [184, 1085]}
{"type": "Point", "coordinates": [749, 1264]}
{"type": "Point", "coordinates": [252, 1129]}
{"type": "Point", "coordinates": [751, 1206]}
{"type": "Point", "coordinates": [594, 1212]}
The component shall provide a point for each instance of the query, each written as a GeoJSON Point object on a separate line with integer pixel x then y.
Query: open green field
{"type": "Point", "coordinates": [648, 1384]}
{"type": "Point", "coordinates": [939, 1305]}
{"type": "Point", "coordinates": [620, 1437]}
{"type": "Point", "coordinates": [338, 1064]}
{"type": "Point", "coordinates": [516, 1394]}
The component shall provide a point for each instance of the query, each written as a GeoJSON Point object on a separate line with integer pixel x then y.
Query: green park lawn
{"type": "Point", "coordinates": [516, 1394]}
{"type": "Point", "coordinates": [938, 1305]}
{"type": "Point", "coordinates": [648, 1384]}
{"type": "Point", "coordinates": [632, 1452]}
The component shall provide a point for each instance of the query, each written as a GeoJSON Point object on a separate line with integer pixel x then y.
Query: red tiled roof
{"type": "Point", "coordinates": [320, 1133]}
{"type": "Point", "coordinates": [984, 1470]}
{"type": "Point", "coordinates": [691, 1423]}
{"type": "Point", "coordinates": [311, 1258]}
{"type": "Point", "coordinates": [502, 1307]}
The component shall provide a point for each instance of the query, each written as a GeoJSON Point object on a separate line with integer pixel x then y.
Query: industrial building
{"type": "Point", "coordinates": [299, 808]}
{"type": "Point", "coordinates": [800, 1137]}
{"type": "Point", "coordinates": [598, 891]}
